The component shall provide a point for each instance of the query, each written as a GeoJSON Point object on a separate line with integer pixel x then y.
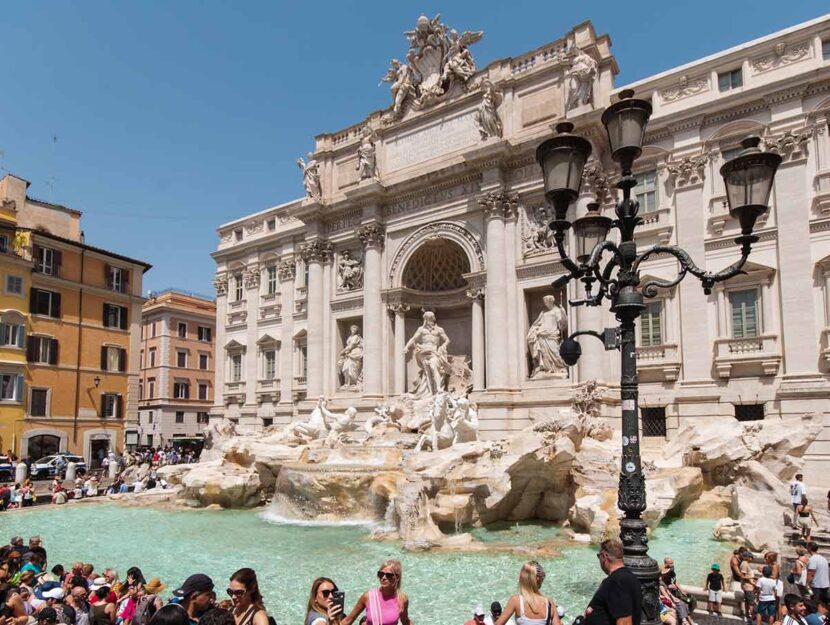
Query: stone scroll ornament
{"type": "Point", "coordinates": [438, 59]}
{"type": "Point", "coordinates": [311, 176]}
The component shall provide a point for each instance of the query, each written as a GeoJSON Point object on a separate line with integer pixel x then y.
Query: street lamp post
{"type": "Point", "coordinates": [748, 178]}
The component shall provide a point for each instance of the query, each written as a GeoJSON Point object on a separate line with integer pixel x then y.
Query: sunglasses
{"type": "Point", "coordinates": [327, 592]}
{"type": "Point", "coordinates": [384, 574]}
{"type": "Point", "coordinates": [236, 593]}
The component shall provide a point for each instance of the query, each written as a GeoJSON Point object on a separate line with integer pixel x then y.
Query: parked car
{"type": "Point", "coordinates": [46, 467]}
{"type": "Point", "coordinates": [6, 472]}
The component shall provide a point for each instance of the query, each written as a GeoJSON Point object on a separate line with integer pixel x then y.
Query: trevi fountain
{"type": "Point", "coordinates": [463, 448]}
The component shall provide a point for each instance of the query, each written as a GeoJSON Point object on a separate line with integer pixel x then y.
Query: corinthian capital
{"type": "Point", "coordinates": [372, 235]}
{"type": "Point", "coordinates": [499, 203]}
{"type": "Point", "coordinates": [316, 251]}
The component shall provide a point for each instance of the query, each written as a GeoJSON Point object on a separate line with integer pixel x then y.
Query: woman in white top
{"type": "Point", "coordinates": [530, 606]}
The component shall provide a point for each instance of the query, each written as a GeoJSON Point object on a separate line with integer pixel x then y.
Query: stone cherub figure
{"type": "Point", "coordinates": [459, 63]}
{"type": "Point", "coordinates": [486, 116]}
{"type": "Point", "coordinates": [430, 343]}
{"type": "Point", "coordinates": [544, 338]}
{"type": "Point", "coordinates": [311, 176]}
{"type": "Point", "coordinates": [366, 154]}
{"type": "Point", "coordinates": [402, 84]}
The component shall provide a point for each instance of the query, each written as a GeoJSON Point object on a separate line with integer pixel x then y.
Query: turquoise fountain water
{"type": "Point", "coordinates": [444, 587]}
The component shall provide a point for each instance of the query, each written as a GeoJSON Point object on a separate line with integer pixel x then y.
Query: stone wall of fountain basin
{"type": "Point", "coordinates": [562, 469]}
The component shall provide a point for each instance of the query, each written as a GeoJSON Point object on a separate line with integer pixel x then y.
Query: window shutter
{"type": "Point", "coordinates": [55, 309]}
{"type": "Point", "coordinates": [58, 256]}
{"type": "Point", "coordinates": [21, 336]}
{"type": "Point", "coordinates": [105, 316]}
{"type": "Point", "coordinates": [123, 317]}
{"type": "Point", "coordinates": [122, 360]}
{"type": "Point", "coordinates": [31, 348]}
{"type": "Point", "coordinates": [19, 396]}
{"type": "Point", "coordinates": [33, 300]}
{"type": "Point", "coordinates": [108, 276]}
{"type": "Point", "coordinates": [3, 332]}
{"type": "Point", "coordinates": [125, 280]}
{"type": "Point", "coordinates": [119, 407]}
{"type": "Point", "coordinates": [53, 355]}
{"type": "Point", "coordinates": [36, 251]}
{"type": "Point", "coordinates": [103, 358]}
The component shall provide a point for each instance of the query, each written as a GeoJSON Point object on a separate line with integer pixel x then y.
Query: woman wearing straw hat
{"type": "Point", "coordinates": [149, 601]}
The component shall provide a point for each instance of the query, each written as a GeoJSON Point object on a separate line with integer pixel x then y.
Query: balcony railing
{"type": "Point", "coordinates": [660, 361]}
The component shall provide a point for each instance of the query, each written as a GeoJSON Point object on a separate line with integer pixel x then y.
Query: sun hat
{"type": "Point", "coordinates": [479, 611]}
{"type": "Point", "coordinates": [716, 567]}
{"type": "Point", "coordinates": [154, 586]}
{"type": "Point", "coordinates": [98, 582]}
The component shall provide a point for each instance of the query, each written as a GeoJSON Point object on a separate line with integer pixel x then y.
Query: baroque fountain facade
{"type": "Point", "coordinates": [404, 303]}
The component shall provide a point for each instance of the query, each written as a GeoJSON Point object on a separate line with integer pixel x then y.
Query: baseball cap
{"type": "Point", "coordinates": [54, 593]}
{"type": "Point", "coordinates": [479, 611]}
{"type": "Point", "coordinates": [48, 614]}
{"type": "Point", "coordinates": [198, 582]}
{"type": "Point", "coordinates": [716, 567]}
{"type": "Point", "coordinates": [47, 587]}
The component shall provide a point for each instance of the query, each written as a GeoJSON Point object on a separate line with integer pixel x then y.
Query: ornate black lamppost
{"type": "Point", "coordinates": [748, 178]}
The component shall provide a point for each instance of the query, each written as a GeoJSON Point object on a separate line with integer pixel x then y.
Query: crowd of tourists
{"type": "Point", "coordinates": [33, 591]}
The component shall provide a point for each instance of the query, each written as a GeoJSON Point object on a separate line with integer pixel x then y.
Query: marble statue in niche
{"type": "Point", "coordinates": [430, 344]}
{"type": "Point", "coordinates": [311, 176]}
{"type": "Point", "coordinates": [366, 154]}
{"type": "Point", "coordinates": [349, 272]}
{"type": "Point", "coordinates": [581, 76]}
{"type": "Point", "coordinates": [543, 340]}
{"type": "Point", "coordinates": [350, 361]}
{"type": "Point", "coordinates": [486, 116]}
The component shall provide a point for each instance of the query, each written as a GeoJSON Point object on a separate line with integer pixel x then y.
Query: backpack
{"type": "Point", "coordinates": [145, 610]}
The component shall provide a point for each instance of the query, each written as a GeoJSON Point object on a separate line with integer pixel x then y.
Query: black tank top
{"type": "Point", "coordinates": [98, 615]}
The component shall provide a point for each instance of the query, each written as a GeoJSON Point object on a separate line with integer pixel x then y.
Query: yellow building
{"type": "Point", "coordinates": [15, 271]}
{"type": "Point", "coordinates": [82, 344]}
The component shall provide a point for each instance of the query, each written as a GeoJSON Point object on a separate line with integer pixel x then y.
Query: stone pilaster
{"type": "Point", "coordinates": [287, 271]}
{"type": "Point", "coordinates": [220, 283]}
{"type": "Point", "coordinates": [315, 253]}
{"type": "Point", "coordinates": [477, 298]}
{"type": "Point", "coordinates": [373, 237]}
{"type": "Point", "coordinates": [400, 310]}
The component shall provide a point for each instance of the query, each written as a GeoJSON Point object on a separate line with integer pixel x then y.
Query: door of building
{"type": "Point", "coordinates": [43, 445]}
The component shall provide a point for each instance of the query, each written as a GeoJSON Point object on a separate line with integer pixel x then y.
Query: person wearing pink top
{"type": "Point", "coordinates": [387, 605]}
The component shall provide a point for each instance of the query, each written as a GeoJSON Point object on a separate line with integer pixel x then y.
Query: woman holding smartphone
{"type": "Point", "coordinates": [387, 605]}
{"type": "Point", "coordinates": [325, 603]}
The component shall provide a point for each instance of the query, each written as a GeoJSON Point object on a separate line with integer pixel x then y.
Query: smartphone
{"type": "Point", "coordinates": [338, 597]}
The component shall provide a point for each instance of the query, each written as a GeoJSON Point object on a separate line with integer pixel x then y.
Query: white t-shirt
{"type": "Point", "coordinates": [821, 578]}
{"type": "Point", "coordinates": [766, 589]}
{"type": "Point", "coordinates": [488, 620]}
{"type": "Point", "coordinates": [797, 491]}
{"type": "Point", "coordinates": [138, 486]}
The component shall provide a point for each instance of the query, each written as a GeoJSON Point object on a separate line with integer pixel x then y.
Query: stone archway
{"type": "Point", "coordinates": [436, 265]}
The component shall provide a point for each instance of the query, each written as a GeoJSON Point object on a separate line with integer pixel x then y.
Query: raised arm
{"type": "Point", "coordinates": [356, 610]}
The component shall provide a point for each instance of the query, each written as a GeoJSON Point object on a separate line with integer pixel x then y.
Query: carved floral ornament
{"type": "Point", "coordinates": [685, 87]}
{"type": "Point", "coordinates": [220, 283]}
{"type": "Point", "coordinates": [316, 251]}
{"type": "Point", "coordinates": [598, 182]}
{"type": "Point", "coordinates": [251, 276]}
{"type": "Point", "coordinates": [287, 269]}
{"type": "Point", "coordinates": [790, 144]}
{"type": "Point", "coordinates": [781, 55]}
{"type": "Point", "coordinates": [372, 235]}
{"type": "Point", "coordinates": [688, 170]}
{"type": "Point", "coordinates": [476, 294]}
{"type": "Point", "coordinates": [499, 203]}
{"type": "Point", "coordinates": [253, 226]}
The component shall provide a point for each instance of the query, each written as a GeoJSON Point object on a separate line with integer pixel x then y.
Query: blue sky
{"type": "Point", "coordinates": [174, 116]}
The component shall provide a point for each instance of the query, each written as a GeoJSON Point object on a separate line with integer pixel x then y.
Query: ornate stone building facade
{"type": "Point", "coordinates": [437, 204]}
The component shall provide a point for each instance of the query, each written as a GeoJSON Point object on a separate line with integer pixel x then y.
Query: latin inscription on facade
{"type": "Point", "coordinates": [430, 198]}
{"type": "Point", "coordinates": [420, 145]}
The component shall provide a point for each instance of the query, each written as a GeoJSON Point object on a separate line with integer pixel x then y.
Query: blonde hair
{"type": "Point", "coordinates": [397, 569]}
{"type": "Point", "coordinates": [529, 578]}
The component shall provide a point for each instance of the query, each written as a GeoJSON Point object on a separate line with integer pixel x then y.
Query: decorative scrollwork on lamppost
{"type": "Point", "coordinates": [609, 270]}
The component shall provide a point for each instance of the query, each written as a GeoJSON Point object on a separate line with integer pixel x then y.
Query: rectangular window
{"type": "Point", "coordinates": [12, 334]}
{"type": "Point", "coordinates": [267, 422]}
{"type": "Point", "coordinates": [651, 326]}
{"type": "Point", "coordinates": [744, 305]}
{"type": "Point", "coordinates": [181, 359]}
{"type": "Point", "coordinates": [46, 260]}
{"type": "Point", "coordinates": [116, 279]}
{"type": "Point", "coordinates": [141, 390]}
{"type": "Point", "coordinates": [238, 234]}
{"type": "Point", "coordinates": [304, 360]}
{"type": "Point", "coordinates": [236, 367]}
{"type": "Point", "coordinates": [202, 418]}
{"type": "Point", "coordinates": [115, 316]}
{"type": "Point", "coordinates": [825, 49]}
{"type": "Point", "coordinates": [203, 392]}
{"type": "Point", "coordinates": [151, 392]}
{"type": "Point", "coordinates": [272, 280]}
{"type": "Point", "coordinates": [14, 285]}
{"type": "Point", "coordinates": [39, 402]}
{"type": "Point", "coordinates": [204, 334]}
{"type": "Point", "coordinates": [749, 412]}
{"type": "Point", "coordinates": [113, 358]}
{"type": "Point", "coordinates": [182, 330]}
{"type": "Point", "coordinates": [203, 361]}
{"type": "Point", "coordinates": [45, 303]}
{"type": "Point", "coordinates": [269, 364]}
{"type": "Point", "coordinates": [42, 350]}
{"type": "Point", "coordinates": [152, 357]}
{"type": "Point", "coordinates": [272, 225]}
{"type": "Point", "coordinates": [181, 390]}
{"type": "Point", "coordinates": [646, 191]}
{"type": "Point", "coordinates": [237, 287]}
{"type": "Point", "coordinates": [654, 421]}
{"type": "Point", "coordinates": [731, 79]}
{"type": "Point", "coordinates": [4, 244]}
{"type": "Point", "coordinates": [153, 333]}
{"type": "Point", "coordinates": [11, 387]}
{"type": "Point", "coordinates": [149, 438]}
{"type": "Point", "coordinates": [179, 416]}
{"type": "Point", "coordinates": [110, 406]}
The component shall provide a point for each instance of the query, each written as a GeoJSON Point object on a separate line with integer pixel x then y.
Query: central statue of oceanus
{"type": "Point", "coordinates": [430, 344]}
